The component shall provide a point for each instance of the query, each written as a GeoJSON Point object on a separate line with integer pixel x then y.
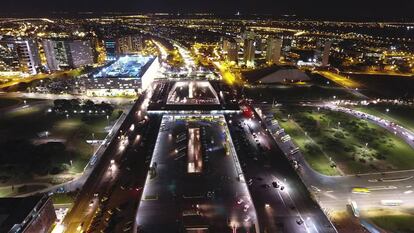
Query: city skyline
{"type": "Point", "coordinates": [235, 121]}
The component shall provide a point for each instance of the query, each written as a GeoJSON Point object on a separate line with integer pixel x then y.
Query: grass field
{"type": "Point", "coordinates": [353, 145]}
{"type": "Point", "coordinates": [296, 93]}
{"type": "Point", "coordinates": [23, 133]}
{"type": "Point", "coordinates": [385, 86]}
{"type": "Point", "coordinates": [316, 159]}
{"type": "Point", "coordinates": [402, 115]}
{"type": "Point", "coordinates": [8, 102]}
{"type": "Point", "coordinates": [62, 198]}
{"type": "Point", "coordinates": [396, 223]}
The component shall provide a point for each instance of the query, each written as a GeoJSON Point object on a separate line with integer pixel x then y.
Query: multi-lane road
{"type": "Point", "coordinates": [282, 201]}
{"type": "Point", "coordinates": [104, 175]}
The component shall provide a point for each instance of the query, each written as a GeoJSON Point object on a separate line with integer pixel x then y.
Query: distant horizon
{"type": "Point", "coordinates": [291, 16]}
{"type": "Point", "coordinates": [400, 10]}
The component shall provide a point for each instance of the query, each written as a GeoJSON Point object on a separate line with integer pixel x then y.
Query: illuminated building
{"type": "Point", "coordinates": [128, 45]}
{"type": "Point", "coordinates": [127, 76]}
{"type": "Point", "coordinates": [65, 54]}
{"type": "Point", "coordinates": [81, 53]}
{"type": "Point", "coordinates": [249, 52]}
{"type": "Point", "coordinates": [273, 50]}
{"type": "Point", "coordinates": [19, 55]}
{"type": "Point", "coordinates": [110, 48]}
{"type": "Point", "coordinates": [322, 52]}
{"type": "Point", "coordinates": [231, 50]}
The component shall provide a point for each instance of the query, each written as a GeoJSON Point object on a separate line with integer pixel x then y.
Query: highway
{"type": "Point", "coordinates": [398, 130]}
{"type": "Point", "coordinates": [104, 174]}
{"type": "Point", "coordinates": [287, 209]}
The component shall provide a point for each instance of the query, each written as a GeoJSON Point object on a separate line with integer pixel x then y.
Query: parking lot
{"type": "Point", "coordinates": [216, 198]}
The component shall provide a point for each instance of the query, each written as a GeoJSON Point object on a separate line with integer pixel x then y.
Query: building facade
{"type": "Point", "coordinates": [19, 55]}
{"type": "Point", "coordinates": [67, 54]}
{"type": "Point", "coordinates": [273, 50]}
{"type": "Point", "coordinates": [129, 45]}
{"type": "Point", "coordinates": [249, 52]}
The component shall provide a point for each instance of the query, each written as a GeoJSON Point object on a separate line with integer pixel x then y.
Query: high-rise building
{"type": "Point", "coordinates": [287, 43]}
{"type": "Point", "coordinates": [249, 52]}
{"type": "Point", "coordinates": [64, 54]}
{"type": "Point", "coordinates": [233, 52]}
{"type": "Point", "coordinates": [248, 35]}
{"type": "Point", "coordinates": [19, 55]}
{"type": "Point", "coordinates": [110, 48]}
{"type": "Point", "coordinates": [129, 45]}
{"type": "Point", "coordinates": [9, 58]}
{"type": "Point", "coordinates": [273, 50]}
{"type": "Point", "coordinates": [57, 54]}
{"type": "Point", "coordinates": [322, 52]}
{"type": "Point", "coordinates": [230, 49]}
{"type": "Point", "coordinates": [326, 52]}
{"type": "Point", "coordinates": [225, 44]}
{"type": "Point", "coordinates": [81, 53]}
{"type": "Point", "coordinates": [28, 56]}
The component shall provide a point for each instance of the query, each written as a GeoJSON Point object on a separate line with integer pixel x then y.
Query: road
{"type": "Point", "coordinates": [103, 175]}
{"type": "Point", "coordinates": [398, 130]}
{"type": "Point", "coordinates": [287, 209]}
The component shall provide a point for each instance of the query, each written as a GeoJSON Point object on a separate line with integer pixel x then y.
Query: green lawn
{"type": "Point", "coordinates": [62, 198]}
{"type": "Point", "coordinates": [8, 102]}
{"type": "Point", "coordinates": [354, 145]}
{"type": "Point", "coordinates": [395, 223]}
{"type": "Point", "coordinates": [297, 93]}
{"type": "Point", "coordinates": [317, 160]}
{"type": "Point", "coordinates": [20, 134]}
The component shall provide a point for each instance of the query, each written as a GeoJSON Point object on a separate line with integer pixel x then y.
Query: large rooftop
{"type": "Point", "coordinates": [125, 67]}
{"type": "Point", "coordinates": [192, 93]}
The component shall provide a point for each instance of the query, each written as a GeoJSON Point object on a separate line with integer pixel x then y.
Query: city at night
{"type": "Point", "coordinates": [187, 116]}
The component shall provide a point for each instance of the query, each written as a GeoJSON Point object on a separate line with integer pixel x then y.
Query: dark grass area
{"type": "Point", "coordinates": [383, 86]}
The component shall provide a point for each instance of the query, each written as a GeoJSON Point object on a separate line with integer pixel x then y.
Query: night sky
{"type": "Point", "coordinates": [346, 9]}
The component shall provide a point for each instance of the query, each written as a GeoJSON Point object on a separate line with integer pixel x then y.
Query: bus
{"type": "Point", "coordinates": [391, 202]}
{"type": "Point", "coordinates": [360, 190]}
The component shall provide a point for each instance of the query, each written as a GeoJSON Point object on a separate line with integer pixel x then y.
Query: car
{"type": "Point", "coordinates": [275, 184]}
{"type": "Point", "coordinates": [299, 221]}
{"type": "Point", "coordinates": [282, 187]}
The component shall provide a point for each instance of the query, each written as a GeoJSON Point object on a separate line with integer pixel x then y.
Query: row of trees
{"type": "Point", "coordinates": [76, 106]}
